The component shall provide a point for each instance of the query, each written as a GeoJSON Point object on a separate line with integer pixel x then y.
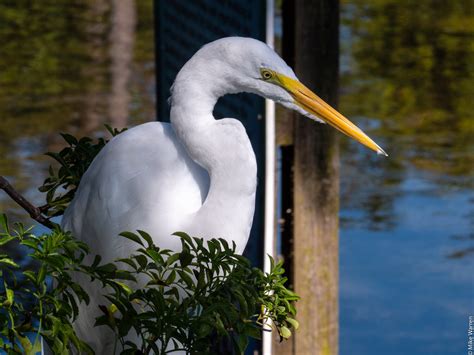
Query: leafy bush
{"type": "Point", "coordinates": [191, 300]}
{"type": "Point", "coordinates": [28, 305]}
{"type": "Point", "coordinates": [196, 300]}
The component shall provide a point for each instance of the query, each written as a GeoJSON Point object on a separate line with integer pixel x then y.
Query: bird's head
{"type": "Point", "coordinates": [251, 66]}
{"type": "Point", "coordinates": [238, 64]}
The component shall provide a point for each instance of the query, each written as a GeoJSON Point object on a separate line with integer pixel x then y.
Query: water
{"type": "Point", "coordinates": [62, 67]}
{"type": "Point", "coordinates": [408, 289]}
{"type": "Point", "coordinates": [407, 244]}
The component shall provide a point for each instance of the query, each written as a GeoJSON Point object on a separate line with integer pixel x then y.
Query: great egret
{"type": "Point", "coordinates": [197, 174]}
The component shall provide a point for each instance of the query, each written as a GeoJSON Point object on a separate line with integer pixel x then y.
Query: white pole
{"type": "Point", "coordinates": [269, 221]}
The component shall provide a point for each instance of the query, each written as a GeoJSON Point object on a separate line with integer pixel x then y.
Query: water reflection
{"type": "Point", "coordinates": [69, 67]}
{"type": "Point", "coordinates": [407, 242]}
{"type": "Point", "coordinates": [408, 67]}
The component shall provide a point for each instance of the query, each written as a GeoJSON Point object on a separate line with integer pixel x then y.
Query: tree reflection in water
{"type": "Point", "coordinates": [409, 67]}
{"type": "Point", "coordinates": [56, 76]}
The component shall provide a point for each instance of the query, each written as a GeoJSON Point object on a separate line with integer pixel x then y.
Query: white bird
{"type": "Point", "coordinates": [196, 174]}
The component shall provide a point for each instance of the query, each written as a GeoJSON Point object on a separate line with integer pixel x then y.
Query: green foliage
{"type": "Point", "coordinates": [73, 161]}
{"type": "Point", "coordinates": [192, 300]}
{"type": "Point", "coordinates": [27, 305]}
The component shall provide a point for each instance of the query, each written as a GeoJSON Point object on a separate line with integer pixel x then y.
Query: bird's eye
{"type": "Point", "coordinates": [266, 74]}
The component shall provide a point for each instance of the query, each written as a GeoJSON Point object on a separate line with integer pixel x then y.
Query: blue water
{"type": "Point", "coordinates": [401, 290]}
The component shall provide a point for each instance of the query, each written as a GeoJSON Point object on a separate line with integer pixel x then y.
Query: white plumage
{"type": "Point", "coordinates": [196, 174]}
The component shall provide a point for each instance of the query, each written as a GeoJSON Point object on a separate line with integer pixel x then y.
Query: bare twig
{"type": "Point", "coordinates": [33, 211]}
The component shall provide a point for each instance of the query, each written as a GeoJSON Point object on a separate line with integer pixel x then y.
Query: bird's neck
{"type": "Point", "coordinates": [223, 148]}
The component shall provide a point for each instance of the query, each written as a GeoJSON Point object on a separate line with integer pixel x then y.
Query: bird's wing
{"type": "Point", "coordinates": [142, 179]}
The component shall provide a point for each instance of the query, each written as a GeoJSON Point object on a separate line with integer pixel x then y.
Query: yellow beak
{"type": "Point", "coordinates": [313, 104]}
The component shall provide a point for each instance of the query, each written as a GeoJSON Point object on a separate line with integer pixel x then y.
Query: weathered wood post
{"type": "Point", "coordinates": [311, 45]}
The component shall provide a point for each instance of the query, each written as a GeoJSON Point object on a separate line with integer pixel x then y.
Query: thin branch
{"type": "Point", "coordinates": [33, 211]}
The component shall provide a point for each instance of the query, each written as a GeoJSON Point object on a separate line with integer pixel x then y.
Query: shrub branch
{"type": "Point", "coordinates": [32, 210]}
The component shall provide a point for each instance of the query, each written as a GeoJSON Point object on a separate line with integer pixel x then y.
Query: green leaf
{"type": "Point", "coordinates": [254, 332]}
{"type": "Point", "coordinates": [142, 260]}
{"type": "Point", "coordinates": [242, 342]}
{"type": "Point", "coordinates": [124, 327]}
{"type": "Point", "coordinates": [146, 236]}
{"type": "Point", "coordinates": [156, 256]}
{"type": "Point", "coordinates": [4, 223]}
{"type": "Point", "coordinates": [171, 277]}
{"type": "Point", "coordinates": [220, 326]}
{"type": "Point", "coordinates": [224, 244]}
{"type": "Point", "coordinates": [72, 301]}
{"type": "Point", "coordinates": [158, 282]}
{"type": "Point", "coordinates": [96, 262]}
{"type": "Point", "coordinates": [285, 333]}
{"type": "Point", "coordinates": [294, 323]}
{"type": "Point", "coordinates": [30, 275]}
{"type": "Point", "coordinates": [107, 268]}
{"type": "Point", "coordinates": [185, 258]}
{"type": "Point", "coordinates": [36, 346]}
{"type": "Point", "coordinates": [243, 260]}
{"type": "Point", "coordinates": [211, 244]}
{"type": "Point", "coordinates": [186, 278]}
{"type": "Point", "coordinates": [242, 302]}
{"type": "Point", "coordinates": [79, 291]}
{"type": "Point", "coordinates": [41, 273]}
{"type": "Point", "coordinates": [55, 260]}
{"type": "Point", "coordinates": [201, 280]}
{"type": "Point", "coordinates": [10, 297]}
{"type": "Point", "coordinates": [31, 243]}
{"type": "Point", "coordinates": [129, 262]}
{"type": "Point", "coordinates": [110, 129]}
{"type": "Point", "coordinates": [132, 237]}
{"type": "Point", "coordinates": [6, 239]}
{"type": "Point", "coordinates": [124, 287]}
{"type": "Point", "coordinates": [71, 140]}
{"type": "Point", "coordinates": [125, 275]}
{"type": "Point", "coordinates": [203, 330]}
{"type": "Point", "coordinates": [9, 261]}
{"type": "Point", "coordinates": [25, 344]}
{"type": "Point", "coordinates": [184, 237]}
{"type": "Point", "coordinates": [172, 258]}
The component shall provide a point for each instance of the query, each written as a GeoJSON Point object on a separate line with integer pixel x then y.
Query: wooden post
{"type": "Point", "coordinates": [122, 40]}
{"type": "Point", "coordinates": [315, 26]}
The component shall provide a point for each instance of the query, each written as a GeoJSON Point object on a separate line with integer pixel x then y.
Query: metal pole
{"type": "Point", "coordinates": [269, 219]}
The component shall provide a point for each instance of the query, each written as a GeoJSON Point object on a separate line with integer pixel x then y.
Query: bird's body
{"type": "Point", "coordinates": [151, 156]}
{"type": "Point", "coordinates": [197, 174]}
